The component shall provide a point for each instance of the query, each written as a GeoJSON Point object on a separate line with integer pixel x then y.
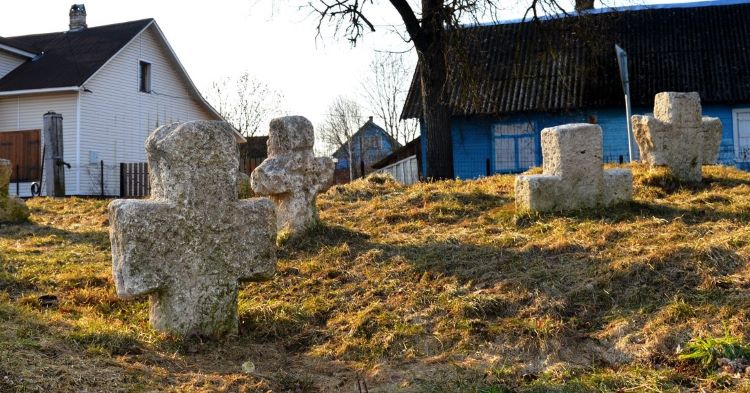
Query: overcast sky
{"type": "Point", "coordinates": [275, 40]}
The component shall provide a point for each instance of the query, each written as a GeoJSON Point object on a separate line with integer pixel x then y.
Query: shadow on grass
{"type": "Point", "coordinates": [637, 210]}
{"type": "Point", "coordinates": [577, 285]}
{"type": "Point", "coordinates": [98, 239]}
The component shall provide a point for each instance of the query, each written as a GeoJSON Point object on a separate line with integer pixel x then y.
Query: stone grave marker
{"type": "Point", "coordinates": [677, 136]}
{"type": "Point", "coordinates": [12, 210]}
{"type": "Point", "coordinates": [291, 175]}
{"type": "Point", "coordinates": [572, 173]}
{"type": "Point", "coordinates": [190, 245]}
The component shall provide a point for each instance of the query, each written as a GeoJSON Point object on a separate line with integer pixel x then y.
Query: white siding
{"type": "Point", "coordinates": [8, 62]}
{"type": "Point", "coordinates": [116, 117]}
{"type": "Point", "coordinates": [26, 113]}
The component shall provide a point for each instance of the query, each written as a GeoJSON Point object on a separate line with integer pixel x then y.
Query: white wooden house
{"type": "Point", "coordinates": [112, 84]}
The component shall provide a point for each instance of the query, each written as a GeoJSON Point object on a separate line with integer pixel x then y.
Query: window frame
{"type": "Point", "coordinates": [145, 85]}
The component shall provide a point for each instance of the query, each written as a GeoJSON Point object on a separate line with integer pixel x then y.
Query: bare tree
{"type": "Point", "coordinates": [385, 90]}
{"type": "Point", "coordinates": [246, 102]}
{"type": "Point", "coordinates": [427, 24]}
{"type": "Point", "coordinates": [342, 121]}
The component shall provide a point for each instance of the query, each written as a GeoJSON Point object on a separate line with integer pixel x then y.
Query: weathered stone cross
{"type": "Point", "coordinates": [12, 210]}
{"type": "Point", "coordinates": [291, 174]}
{"type": "Point", "coordinates": [677, 136]}
{"type": "Point", "coordinates": [572, 173]}
{"type": "Point", "coordinates": [190, 244]}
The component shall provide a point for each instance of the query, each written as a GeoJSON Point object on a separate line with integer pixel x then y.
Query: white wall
{"type": "Point", "coordinates": [116, 117]}
{"type": "Point", "coordinates": [8, 62]}
{"type": "Point", "coordinates": [26, 113]}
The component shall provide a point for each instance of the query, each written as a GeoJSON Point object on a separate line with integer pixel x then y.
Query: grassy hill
{"type": "Point", "coordinates": [437, 287]}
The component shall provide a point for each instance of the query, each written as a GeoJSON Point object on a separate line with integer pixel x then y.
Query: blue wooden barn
{"type": "Point", "coordinates": [511, 80]}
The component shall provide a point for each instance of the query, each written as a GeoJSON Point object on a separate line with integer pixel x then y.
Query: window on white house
{"type": "Point", "coordinates": [145, 77]}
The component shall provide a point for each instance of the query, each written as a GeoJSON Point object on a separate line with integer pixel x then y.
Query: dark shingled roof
{"type": "Point", "coordinates": [14, 44]}
{"type": "Point", "coordinates": [67, 58]}
{"type": "Point", "coordinates": [565, 64]}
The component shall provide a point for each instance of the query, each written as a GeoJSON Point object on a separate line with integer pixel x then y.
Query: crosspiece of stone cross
{"type": "Point", "coordinates": [190, 245]}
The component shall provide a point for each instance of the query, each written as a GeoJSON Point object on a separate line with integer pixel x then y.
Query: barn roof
{"type": "Point", "coordinates": [568, 63]}
{"type": "Point", "coordinates": [69, 58]}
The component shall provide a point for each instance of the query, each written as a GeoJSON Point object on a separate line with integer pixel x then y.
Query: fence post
{"type": "Point", "coordinates": [53, 138]}
{"type": "Point", "coordinates": [101, 176]}
{"type": "Point", "coordinates": [122, 180]}
{"type": "Point", "coordinates": [18, 181]}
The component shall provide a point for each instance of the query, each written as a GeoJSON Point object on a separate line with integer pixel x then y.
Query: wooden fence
{"type": "Point", "coordinates": [405, 171]}
{"type": "Point", "coordinates": [134, 181]}
{"type": "Point", "coordinates": [248, 164]}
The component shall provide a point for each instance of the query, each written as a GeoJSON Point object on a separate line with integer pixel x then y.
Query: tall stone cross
{"type": "Point", "coordinates": [193, 241]}
{"type": "Point", "coordinates": [12, 210]}
{"type": "Point", "coordinates": [677, 136]}
{"type": "Point", "coordinates": [291, 175]}
{"type": "Point", "coordinates": [572, 173]}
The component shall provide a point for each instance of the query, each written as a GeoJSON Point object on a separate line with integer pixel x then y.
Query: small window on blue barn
{"type": "Point", "coordinates": [145, 77]}
{"type": "Point", "coordinates": [515, 150]}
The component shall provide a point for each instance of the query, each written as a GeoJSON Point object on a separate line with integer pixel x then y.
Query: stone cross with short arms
{"type": "Point", "coordinates": [573, 177]}
{"type": "Point", "coordinates": [190, 245]}
{"type": "Point", "coordinates": [678, 136]}
{"type": "Point", "coordinates": [291, 175]}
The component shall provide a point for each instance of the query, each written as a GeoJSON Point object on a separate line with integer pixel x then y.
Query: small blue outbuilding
{"type": "Point", "coordinates": [370, 144]}
{"type": "Point", "coordinates": [511, 80]}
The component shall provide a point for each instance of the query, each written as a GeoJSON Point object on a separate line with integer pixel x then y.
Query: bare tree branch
{"type": "Point", "coordinates": [246, 102]}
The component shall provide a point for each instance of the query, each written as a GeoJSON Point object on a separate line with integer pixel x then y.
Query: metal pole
{"type": "Point", "coordinates": [630, 127]}
{"type": "Point", "coordinates": [18, 181]}
{"type": "Point", "coordinates": [622, 63]}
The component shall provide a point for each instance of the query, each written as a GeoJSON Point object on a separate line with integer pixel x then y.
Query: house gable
{"type": "Point", "coordinates": [116, 117]}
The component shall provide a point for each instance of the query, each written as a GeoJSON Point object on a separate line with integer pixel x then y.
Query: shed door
{"type": "Point", "coordinates": [742, 135]}
{"type": "Point", "coordinates": [22, 148]}
{"type": "Point", "coordinates": [515, 150]}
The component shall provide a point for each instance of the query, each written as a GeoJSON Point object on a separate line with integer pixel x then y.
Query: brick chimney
{"type": "Point", "coordinates": [77, 17]}
{"type": "Point", "coordinates": [584, 5]}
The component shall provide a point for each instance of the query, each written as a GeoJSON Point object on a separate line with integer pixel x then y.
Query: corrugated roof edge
{"type": "Point", "coordinates": [595, 11]}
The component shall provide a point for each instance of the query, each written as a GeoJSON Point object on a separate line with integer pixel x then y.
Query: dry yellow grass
{"type": "Point", "coordinates": [434, 287]}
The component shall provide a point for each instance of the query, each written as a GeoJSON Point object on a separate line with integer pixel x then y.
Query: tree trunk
{"type": "Point", "coordinates": [435, 113]}
{"type": "Point", "coordinates": [431, 48]}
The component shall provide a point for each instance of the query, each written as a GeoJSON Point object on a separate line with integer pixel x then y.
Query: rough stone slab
{"type": "Point", "coordinates": [190, 245]}
{"type": "Point", "coordinates": [677, 136]}
{"type": "Point", "coordinates": [539, 193]}
{"type": "Point", "coordinates": [291, 175]}
{"type": "Point", "coordinates": [290, 133]}
{"type": "Point", "coordinates": [618, 184]}
{"type": "Point", "coordinates": [572, 173]}
{"type": "Point", "coordinates": [12, 210]}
